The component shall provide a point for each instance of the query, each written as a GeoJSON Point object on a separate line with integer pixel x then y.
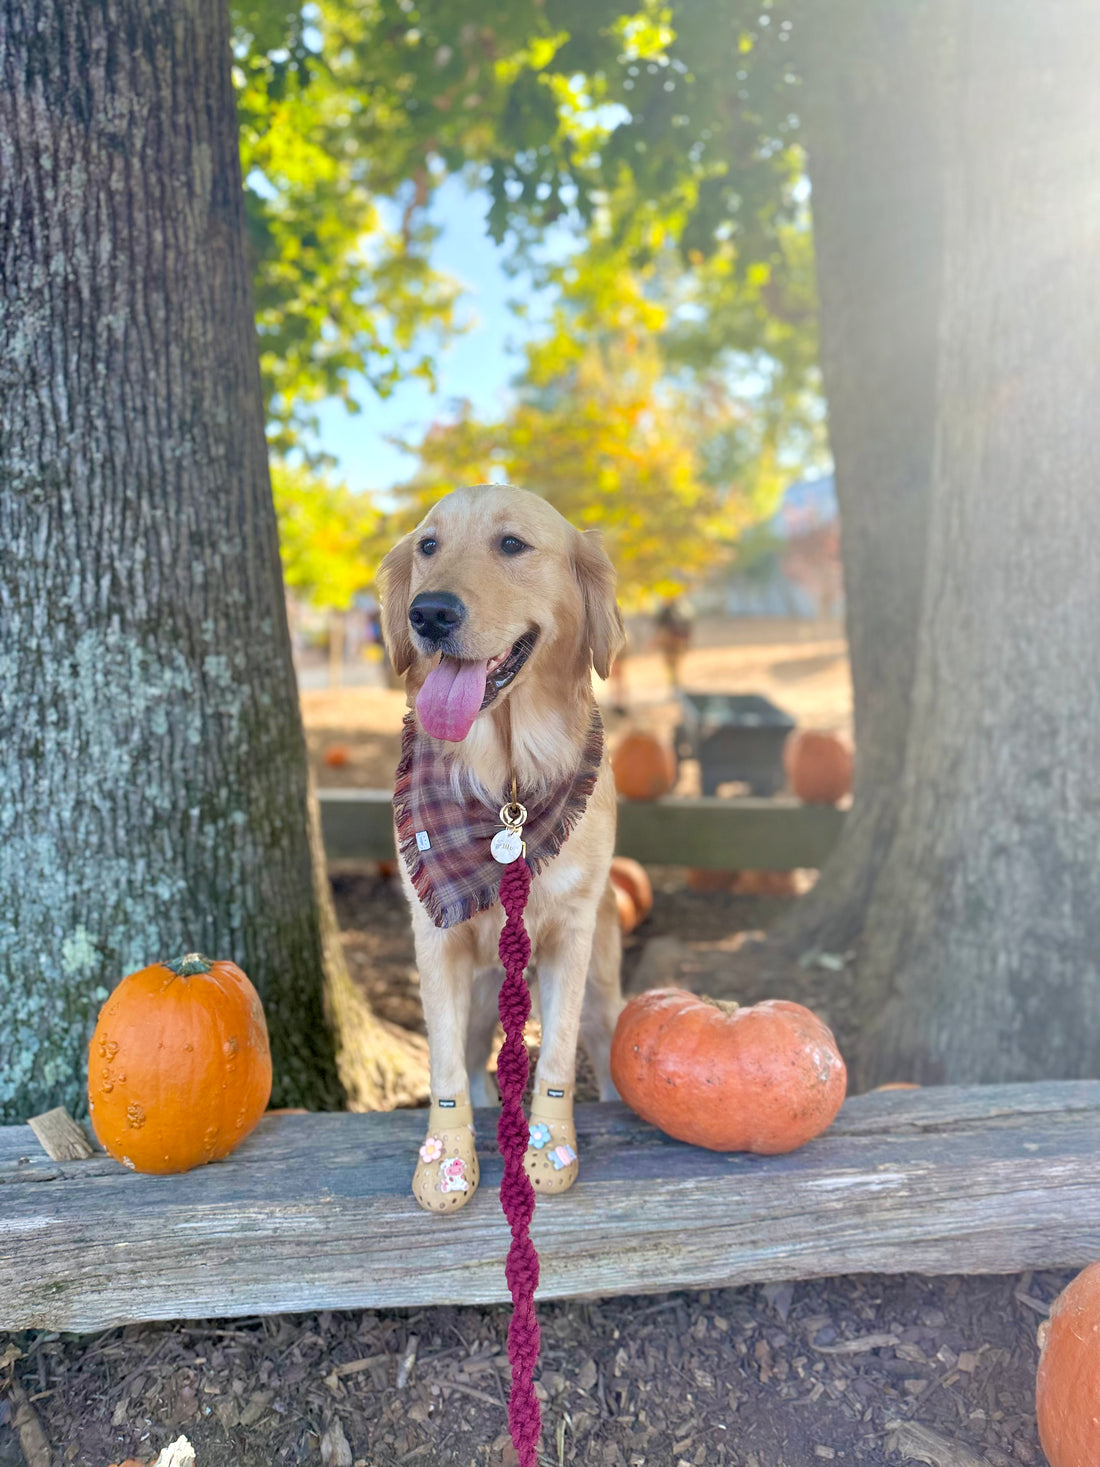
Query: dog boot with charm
{"type": "Point", "coordinates": [447, 1173]}
{"type": "Point", "coordinates": [551, 1159]}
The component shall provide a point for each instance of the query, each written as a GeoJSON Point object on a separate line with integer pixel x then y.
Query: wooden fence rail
{"type": "Point", "coordinates": [734, 835]}
{"type": "Point", "coordinates": [315, 1211]}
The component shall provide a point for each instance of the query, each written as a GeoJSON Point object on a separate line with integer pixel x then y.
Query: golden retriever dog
{"type": "Point", "coordinates": [496, 609]}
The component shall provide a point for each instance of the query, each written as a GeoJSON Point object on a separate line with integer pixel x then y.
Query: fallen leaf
{"type": "Point", "coordinates": [335, 1451]}
{"type": "Point", "coordinates": [257, 1404]}
{"type": "Point", "coordinates": [36, 1449]}
{"type": "Point", "coordinates": [780, 1297]}
{"type": "Point", "coordinates": [919, 1444]}
{"type": "Point", "coordinates": [179, 1453]}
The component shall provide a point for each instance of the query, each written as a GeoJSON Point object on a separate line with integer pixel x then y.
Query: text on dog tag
{"type": "Point", "coordinates": [507, 846]}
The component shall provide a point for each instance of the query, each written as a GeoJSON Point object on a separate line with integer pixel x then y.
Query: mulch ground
{"type": "Point", "coordinates": [862, 1370]}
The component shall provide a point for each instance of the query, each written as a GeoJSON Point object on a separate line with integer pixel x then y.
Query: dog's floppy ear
{"type": "Point", "coordinates": [603, 622]}
{"type": "Point", "coordinates": [394, 584]}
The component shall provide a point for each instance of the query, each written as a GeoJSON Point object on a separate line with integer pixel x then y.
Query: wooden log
{"type": "Point", "coordinates": [727, 835]}
{"type": "Point", "coordinates": [315, 1211]}
{"type": "Point", "coordinates": [357, 825]}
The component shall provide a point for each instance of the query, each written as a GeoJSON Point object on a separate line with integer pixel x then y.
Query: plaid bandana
{"type": "Point", "coordinates": [445, 842]}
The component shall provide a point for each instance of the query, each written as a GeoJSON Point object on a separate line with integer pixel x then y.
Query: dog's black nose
{"type": "Point", "coordinates": [434, 615]}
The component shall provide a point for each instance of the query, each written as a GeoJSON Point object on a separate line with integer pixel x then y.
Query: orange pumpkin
{"type": "Point", "coordinates": [818, 766]}
{"type": "Point", "coordinates": [336, 756]}
{"type": "Point", "coordinates": [179, 1069]}
{"type": "Point", "coordinates": [644, 767]}
{"type": "Point", "coordinates": [634, 880]}
{"type": "Point", "coordinates": [765, 1079]}
{"type": "Point", "coordinates": [628, 912]}
{"type": "Point", "coordinates": [1067, 1387]}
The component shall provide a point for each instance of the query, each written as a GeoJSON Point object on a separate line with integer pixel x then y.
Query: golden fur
{"type": "Point", "coordinates": [564, 586]}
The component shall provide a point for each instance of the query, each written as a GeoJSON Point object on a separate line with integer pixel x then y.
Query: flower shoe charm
{"type": "Point", "coordinates": [447, 1173]}
{"type": "Point", "coordinates": [452, 1176]}
{"type": "Point", "coordinates": [551, 1160]}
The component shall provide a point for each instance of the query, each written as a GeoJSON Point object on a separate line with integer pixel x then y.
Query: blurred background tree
{"type": "Point", "coordinates": [330, 538]}
{"type": "Point", "coordinates": [677, 142]}
{"type": "Point", "coordinates": [690, 227]}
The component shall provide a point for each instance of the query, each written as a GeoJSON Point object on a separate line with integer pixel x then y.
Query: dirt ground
{"type": "Point", "coordinates": [801, 666]}
{"type": "Point", "coordinates": [862, 1371]}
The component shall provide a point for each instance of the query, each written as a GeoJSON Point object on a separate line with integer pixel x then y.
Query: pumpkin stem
{"type": "Point", "coordinates": [189, 965]}
{"type": "Point", "coordinates": [727, 1005]}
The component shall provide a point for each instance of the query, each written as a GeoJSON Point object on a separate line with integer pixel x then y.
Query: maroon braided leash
{"type": "Point", "coordinates": [517, 1196]}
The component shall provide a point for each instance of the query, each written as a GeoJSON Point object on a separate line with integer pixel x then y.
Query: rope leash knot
{"type": "Point", "coordinates": [517, 1196]}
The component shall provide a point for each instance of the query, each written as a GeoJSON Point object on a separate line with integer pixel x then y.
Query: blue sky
{"type": "Point", "coordinates": [478, 365]}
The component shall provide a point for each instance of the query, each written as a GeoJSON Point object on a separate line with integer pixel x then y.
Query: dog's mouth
{"type": "Point", "coordinates": [456, 691]}
{"type": "Point", "coordinates": [504, 669]}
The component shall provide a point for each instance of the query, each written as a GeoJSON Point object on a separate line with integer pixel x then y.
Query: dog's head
{"type": "Point", "coordinates": [492, 588]}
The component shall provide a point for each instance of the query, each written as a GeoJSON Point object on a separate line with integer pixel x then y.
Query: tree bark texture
{"type": "Point", "coordinates": [872, 131]}
{"type": "Point", "coordinates": [981, 956]}
{"type": "Point", "coordinates": [152, 764]}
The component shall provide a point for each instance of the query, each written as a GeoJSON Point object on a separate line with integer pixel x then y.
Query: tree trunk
{"type": "Point", "coordinates": [980, 958]}
{"type": "Point", "coordinates": [871, 126]}
{"type": "Point", "coordinates": [152, 767]}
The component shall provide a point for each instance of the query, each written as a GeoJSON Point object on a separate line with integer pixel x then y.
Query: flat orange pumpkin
{"type": "Point", "coordinates": [818, 766]}
{"type": "Point", "coordinates": [644, 767]}
{"type": "Point", "coordinates": [765, 1079]}
{"type": "Point", "coordinates": [633, 878]}
{"type": "Point", "coordinates": [1067, 1386]}
{"type": "Point", "coordinates": [628, 912]}
{"type": "Point", "coordinates": [179, 1069]}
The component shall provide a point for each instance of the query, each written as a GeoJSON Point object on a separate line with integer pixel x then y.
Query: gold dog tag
{"type": "Point", "coordinates": [508, 844]}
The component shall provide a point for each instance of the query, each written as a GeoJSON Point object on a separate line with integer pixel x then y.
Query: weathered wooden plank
{"type": "Point", "coordinates": [728, 835]}
{"type": "Point", "coordinates": [735, 835]}
{"type": "Point", "coordinates": [357, 825]}
{"type": "Point", "coordinates": [315, 1211]}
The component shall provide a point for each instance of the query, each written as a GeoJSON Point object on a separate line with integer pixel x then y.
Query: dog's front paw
{"type": "Point", "coordinates": [447, 1172]}
{"type": "Point", "coordinates": [551, 1157]}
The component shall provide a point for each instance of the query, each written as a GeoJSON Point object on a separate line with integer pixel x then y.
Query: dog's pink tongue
{"type": "Point", "coordinates": [449, 701]}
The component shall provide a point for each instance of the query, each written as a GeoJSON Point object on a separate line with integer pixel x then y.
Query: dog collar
{"type": "Point", "coordinates": [446, 843]}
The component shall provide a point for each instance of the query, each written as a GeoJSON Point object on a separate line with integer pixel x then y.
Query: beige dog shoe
{"type": "Point", "coordinates": [447, 1173]}
{"type": "Point", "coordinates": [551, 1159]}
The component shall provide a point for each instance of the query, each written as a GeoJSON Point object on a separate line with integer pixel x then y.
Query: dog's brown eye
{"type": "Point", "coordinates": [428, 546]}
{"type": "Point", "coordinates": [513, 545]}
